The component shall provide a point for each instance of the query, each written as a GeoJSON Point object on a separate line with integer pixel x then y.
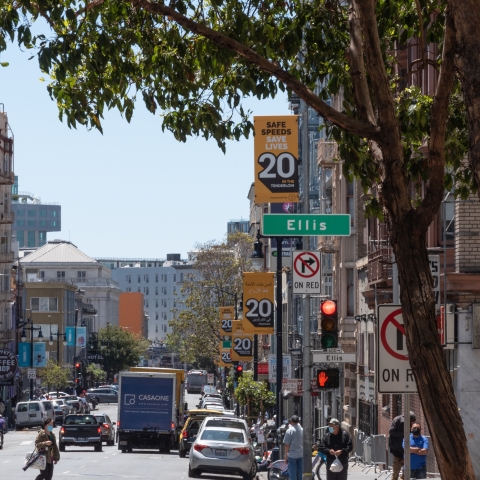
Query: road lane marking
{"type": "Point", "coordinates": [64, 473]}
{"type": "Point", "coordinates": [27, 442]}
{"type": "Point", "coordinates": [7, 461]}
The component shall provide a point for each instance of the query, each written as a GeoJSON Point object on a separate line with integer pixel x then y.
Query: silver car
{"type": "Point", "coordinates": [221, 450]}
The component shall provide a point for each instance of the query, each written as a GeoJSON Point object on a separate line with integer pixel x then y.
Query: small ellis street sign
{"type": "Point", "coordinates": [299, 225]}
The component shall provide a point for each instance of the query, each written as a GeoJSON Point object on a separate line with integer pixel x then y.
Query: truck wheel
{"type": "Point", "coordinates": [124, 450]}
{"type": "Point", "coordinates": [182, 453]}
{"type": "Point", "coordinates": [98, 448]}
{"type": "Point", "coordinates": [167, 447]}
{"type": "Point", "coordinates": [130, 450]}
{"type": "Point", "coordinates": [61, 447]}
{"type": "Point", "coordinates": [193, 473]}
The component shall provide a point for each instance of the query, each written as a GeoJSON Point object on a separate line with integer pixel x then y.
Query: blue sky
{"type": "Point", "coordinates": [133, 191]}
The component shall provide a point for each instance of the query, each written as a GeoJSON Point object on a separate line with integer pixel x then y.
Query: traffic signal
{"type": "Point", "coordinates": [329, 324]}
{"type": "Point", "coordinates": [78, 367]}
{"type": "Point", "coordinates": [328, 378]}
{"type": "Point", "coordinates": [238, 371]}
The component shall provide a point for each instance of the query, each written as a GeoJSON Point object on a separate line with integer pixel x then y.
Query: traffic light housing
{"type": "Point", "coordinates": [328, 378]}
{"type": "Point", "coordinates": [329, 324]}
{"type": "Point", "coordinates": [238, 370]}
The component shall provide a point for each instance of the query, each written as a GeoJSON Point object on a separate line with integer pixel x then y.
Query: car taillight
{"type": "Point", "coordinates": [243, 450]}
{"type": "Point", "coordinates": [106, 425]}
{"type": "Point", "coordinates": [118, 423]}
{"type": "Point", "coordinates": [199, 447]}
{"type": "Point", "coordinates": [62, 430]}
{"type": "Point", "coordinates": [185, 434]}
{"type": "Point", "coordinates": [99, 430]}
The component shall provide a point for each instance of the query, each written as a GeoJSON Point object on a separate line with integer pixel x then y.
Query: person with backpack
{"type": "Point", "coordinates": [336, 444]}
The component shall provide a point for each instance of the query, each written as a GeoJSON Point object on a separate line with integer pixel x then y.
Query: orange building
{"type": "Point", "coordinates": [131, 314]}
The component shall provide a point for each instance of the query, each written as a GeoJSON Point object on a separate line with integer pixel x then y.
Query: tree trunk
{"type": "Point", "coordinates": [466, 19]}
{"type": "Point", "coordinates": [426, 354]}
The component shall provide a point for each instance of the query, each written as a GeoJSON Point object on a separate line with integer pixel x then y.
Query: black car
{"type": "Point", "coordinates": [58, 414]}
{"type": "Point", "coordinates": [80, 431]}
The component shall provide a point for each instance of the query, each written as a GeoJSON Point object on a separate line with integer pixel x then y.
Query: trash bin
{"type": "Point", "coordinates": [275, 455]}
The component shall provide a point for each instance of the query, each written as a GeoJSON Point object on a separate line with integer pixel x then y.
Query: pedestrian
{"type": "Point", "coordinates": [418, 452]}
{"type": "Point", "coordinates": [46, 440]}
{"type": "Point", "coordinates": [336, 443]}
{"type": "Point", "coordinates": [293, 442]}
{"type": "Point", "coordinates": [2, 406]}
{"type": "Point", "coordinates": [395, 443]}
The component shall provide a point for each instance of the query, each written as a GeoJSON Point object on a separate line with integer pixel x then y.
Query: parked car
{"type": "Point", "coordinates": [74, 402]}
{"type": "Point", "coordinates": [221, 450]}
{"type": "Point", "coordinates": [103, 395]}
{"type": "Point", "coordinates": [58, 414]}
{"type": "Point", "coordinates": [65, 405]}
{"type": "Point", "coordinates": [206, 389]}
{"type": "Point", "coordinates": [224, 421]}
{"type": "Point", "coordinates": [54, 394]}
{"type": "Point", "coordinates": [48, 405]}
{"type": "Point", "coordinates": [191, 427]}
{"type": "Point", "coordinates": [81, 431]}
{"type": "Point", "coordinates": [30, 414]}
{"type": "Point", "coordinates": [214, 406]}
{"type": "Point", "coordinates": [108, 430]}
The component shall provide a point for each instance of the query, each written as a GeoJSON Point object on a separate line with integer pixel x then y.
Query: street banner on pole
{"type": "Point", "coordinates": [70, 333]}
{"type": "Point", "coordinates": [24, 357]}
{"type": "Point", "coordinates": [276, 158]}
{"type": "Point", "coordinates": [258, 303]}
{"type": "Point", "coordinates": [227, 315]}
{"type": "Point", "coordinates": [242, 348]}
{"type": "Point", "coordinates": [81, 336]}
{"type": "Point", "coordinates": [393, 372]}
{"type": "Point", "coordinates": [306, 272]}
{"type": "Point", "coordinates": [40, 354]}
{"type": "Point", "coordinates": [224, 359]}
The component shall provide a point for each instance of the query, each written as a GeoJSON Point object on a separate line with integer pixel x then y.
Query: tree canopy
{"type": "Point", "coordinates": [56, 377]}
{"type": "Point", "coordinates": [217, 278]}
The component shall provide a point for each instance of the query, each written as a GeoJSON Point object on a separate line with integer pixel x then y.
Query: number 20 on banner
{"type": "Point", "coordinates": [258, 306]}
{"type": "Point", "coordinates": [242, 348]}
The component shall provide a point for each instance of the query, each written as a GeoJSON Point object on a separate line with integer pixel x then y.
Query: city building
{"type": "Point", "coordinates": [238, 226]}
{"type": "Point", "coordinates": [7, 320]}
{"type": "Point", "coordinates": [33, 218]}
{"type": "Point", "coordinates": [161, 288]}
{"type": "Point", "coordinates": [131, 314]}
{"type": "Point", "coordinates": [62, 261]}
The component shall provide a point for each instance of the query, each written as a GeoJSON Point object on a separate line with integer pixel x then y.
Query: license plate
{"type": "Point", "coordinates": [221, 453]}
{"type": "Point", "coordinates": [33, 415]}
{"type": "Point", "coordinates": [81, 439]}
{"type": "Point", "coordinates": [123, 442]}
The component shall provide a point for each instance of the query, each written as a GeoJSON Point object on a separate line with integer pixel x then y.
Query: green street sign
{"type": "Point", "coordinates": [301, 224]}
{"type": "Point", "coordinates": [226, 344]}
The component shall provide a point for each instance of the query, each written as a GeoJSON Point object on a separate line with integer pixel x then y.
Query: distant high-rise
{"type": "Point", "coordinates": [33, 219]}
{"type": "Point", "coordinates": [238, 226]}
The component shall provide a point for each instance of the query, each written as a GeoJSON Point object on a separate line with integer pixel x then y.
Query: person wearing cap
{"type": "Point", "coordinates": [418, 452]}
{"type": "Point", "coordinates": [336, 443]}
{"type": "Point", "coordinates": [293, 442]}
{"type": "Point", "coordinates": [395, 443]}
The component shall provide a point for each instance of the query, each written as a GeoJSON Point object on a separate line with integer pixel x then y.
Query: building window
{"type": "Point", "coordinates": [81, 274]}
{"type": "Point", "coordinates": [174, 290]}
{"type": "Point", "coordinates": [156, 315]}
{"type": "Point", "coordinates": [181, 277]}
{"type": "Point", "coordinates": [31, 223]}
{"type": "Point", "coordinates": [174, 277]}
{"type": "Point", "coordinates": [20, 213]}
{"type": "Point", "coordinates": [54, 223]}
{"type": "Point", "coordinates": [350, 292]}
{"type": "Point", "coordinates": [156, 303]}
{"type": "Point", "coordinates": [31, 239]}
{"type": "Point", "coordinates": [139, 279]}
{"type": "Point", "coordinates": [146, 290]}
{"type": "Point", "coordinates": [138, 290]}
{"type": "Point", "coordinates": [147, 278]}
{"type": "Point", "coordinates": [351, 202]}
{"type": "Point", "coordinates": [20, 223]}
{"type": "Point", "coordinates": [53, 213]}
{"type": "Point", "coordinates": [42, 223]}
{"type": "Point", "coordinates": [42, 273]}
{"type": "Point", "coordinates": [129, 289]}
{"type": "Point", "coordinates": [32, 213]}
{"type": "Point", "coordinates": [43, 213]}
{"type": "Point", "coordinates": [146, 303]}
{"type": "Point", "coordinates": [44, 304]}
{"type": "Point", "coordinates": [156, 278]}
{"type": "Point", "coordinates": [129, 279]}
{"type": "Point", "coordinates": [156, 290]}
{"type": "Point", "coordinates": [21, 238]}
{"type": "Point", "coordinates": [61, 274]}
{"type": "Point", "coordinates": [42, 238]}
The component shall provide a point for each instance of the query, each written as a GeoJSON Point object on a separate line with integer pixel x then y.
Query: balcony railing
{"type": "Point", "coordinates": [327, 153]}
{"type": "Point", "coordinates": [6, 257]}
{"type": "Point", "coordinates": [380, 266]}
{"type": "Point", "coordinates": [7, 217]}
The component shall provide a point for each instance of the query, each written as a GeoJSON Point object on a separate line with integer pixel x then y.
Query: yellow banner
{"type": "Point", "coordinates": [276, 159]}
{"type": "Point", "coordinates": [224, 359]}
{"type": "Point", "coordinates": [227, 314]}
{"type": "Point", "coordinates": [237, 326]}
{"type": "Point", "coordinates": [258, 303]}
{"type": "Point", "coordinates": [242, 348]}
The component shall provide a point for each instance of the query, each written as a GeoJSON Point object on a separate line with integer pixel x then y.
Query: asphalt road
{"type": "Point", "coordinates": [85, 463]}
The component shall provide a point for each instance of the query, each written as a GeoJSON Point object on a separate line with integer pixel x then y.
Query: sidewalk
{"type": "Point", "coordinates": [354, 473]}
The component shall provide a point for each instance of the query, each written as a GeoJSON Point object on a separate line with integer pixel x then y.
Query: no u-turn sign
{"type": "Point", "coordinates": [393, 372]}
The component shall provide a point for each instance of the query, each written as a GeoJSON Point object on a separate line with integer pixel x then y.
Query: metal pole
{"type": "Point", "coordinates": [255, 358]}
{"type": "Point", "coordinates": [406, 436]}
{"type": "Point", "coordinates": [279, 329]}
{"type": "Point", "coordinates": [31, 359]}
{"type": "Point", "coordinates": [236, 305]}
{"type": "Point", "coordinates": [75, 350]}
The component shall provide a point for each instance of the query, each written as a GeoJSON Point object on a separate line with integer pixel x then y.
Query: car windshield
{"type": "Point", "coordinates": [100, 419]}
{"type": "Point", "coordinates": [80, 420]}
{"type": "Point", "coordinates": [235, 436]}
{"type": "Point", "coordinates": [208, 389]}
{"type": "Point", "coordinates": [227, 423]}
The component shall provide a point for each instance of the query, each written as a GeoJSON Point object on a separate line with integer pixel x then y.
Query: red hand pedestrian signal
{"type": "Point", "coordinates": [322, 379]}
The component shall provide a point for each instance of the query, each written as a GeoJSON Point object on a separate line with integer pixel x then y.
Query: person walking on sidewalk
{"type": "Point", "coordinates": [395, 443]}
{"type": "Point", "coordinates": [418, 453]}
{"type": "Point", "coordinates": [293, 442]}
{"type": "Point", "coordinates": [336, 443]}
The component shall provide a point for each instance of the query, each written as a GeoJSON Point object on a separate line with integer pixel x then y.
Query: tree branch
{"type": "Point", "coordinates": [354, 126]}
{"type": "Point", "coordinates": [438, 126]}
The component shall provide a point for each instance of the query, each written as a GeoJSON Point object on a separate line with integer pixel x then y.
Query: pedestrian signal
{"type": "Point", "coordinates": [328, 378]}
{"type": "Point", "coordinates": [329, 324]}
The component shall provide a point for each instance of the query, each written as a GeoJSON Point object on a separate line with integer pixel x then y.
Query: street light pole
{"type": "Point", "coordinates": [28, 325]}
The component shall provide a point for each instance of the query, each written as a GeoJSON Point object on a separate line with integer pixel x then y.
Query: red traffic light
{"type": "Point", "coordinates": [77, 365]}
{"type": "Point", "coordinates": [239, 368]}
{"type": "Point", "coordinates": [328, 307]}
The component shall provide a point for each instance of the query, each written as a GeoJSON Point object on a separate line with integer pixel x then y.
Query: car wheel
{"type": "Point", "coordinates": [61, 447]}
{"type": "Point", "coordinates": [124, 450]}
{"type": "Point", "coordinates": [98, 448]}
{"type": "Point", "coordinates": [182, 453]}
{"type": "Point", "coordinates": [193, 473]}
{"type": "Point", "coordinates": [253, 472]}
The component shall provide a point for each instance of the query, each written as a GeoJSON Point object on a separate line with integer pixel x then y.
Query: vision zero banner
{"type": "Point", "coordinates": [276, 159]}
{"type": "Point", "coordinates": [258, 305]}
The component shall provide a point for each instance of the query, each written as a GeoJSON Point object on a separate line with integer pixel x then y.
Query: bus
{"type": "Point", "coordinates": [196, 379]}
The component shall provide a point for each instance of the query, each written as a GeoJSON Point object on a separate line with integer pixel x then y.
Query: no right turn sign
{"type": "Point", "coordinates": [306, 272]}
{"type": "Point", "coordinates": [393, 372]}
